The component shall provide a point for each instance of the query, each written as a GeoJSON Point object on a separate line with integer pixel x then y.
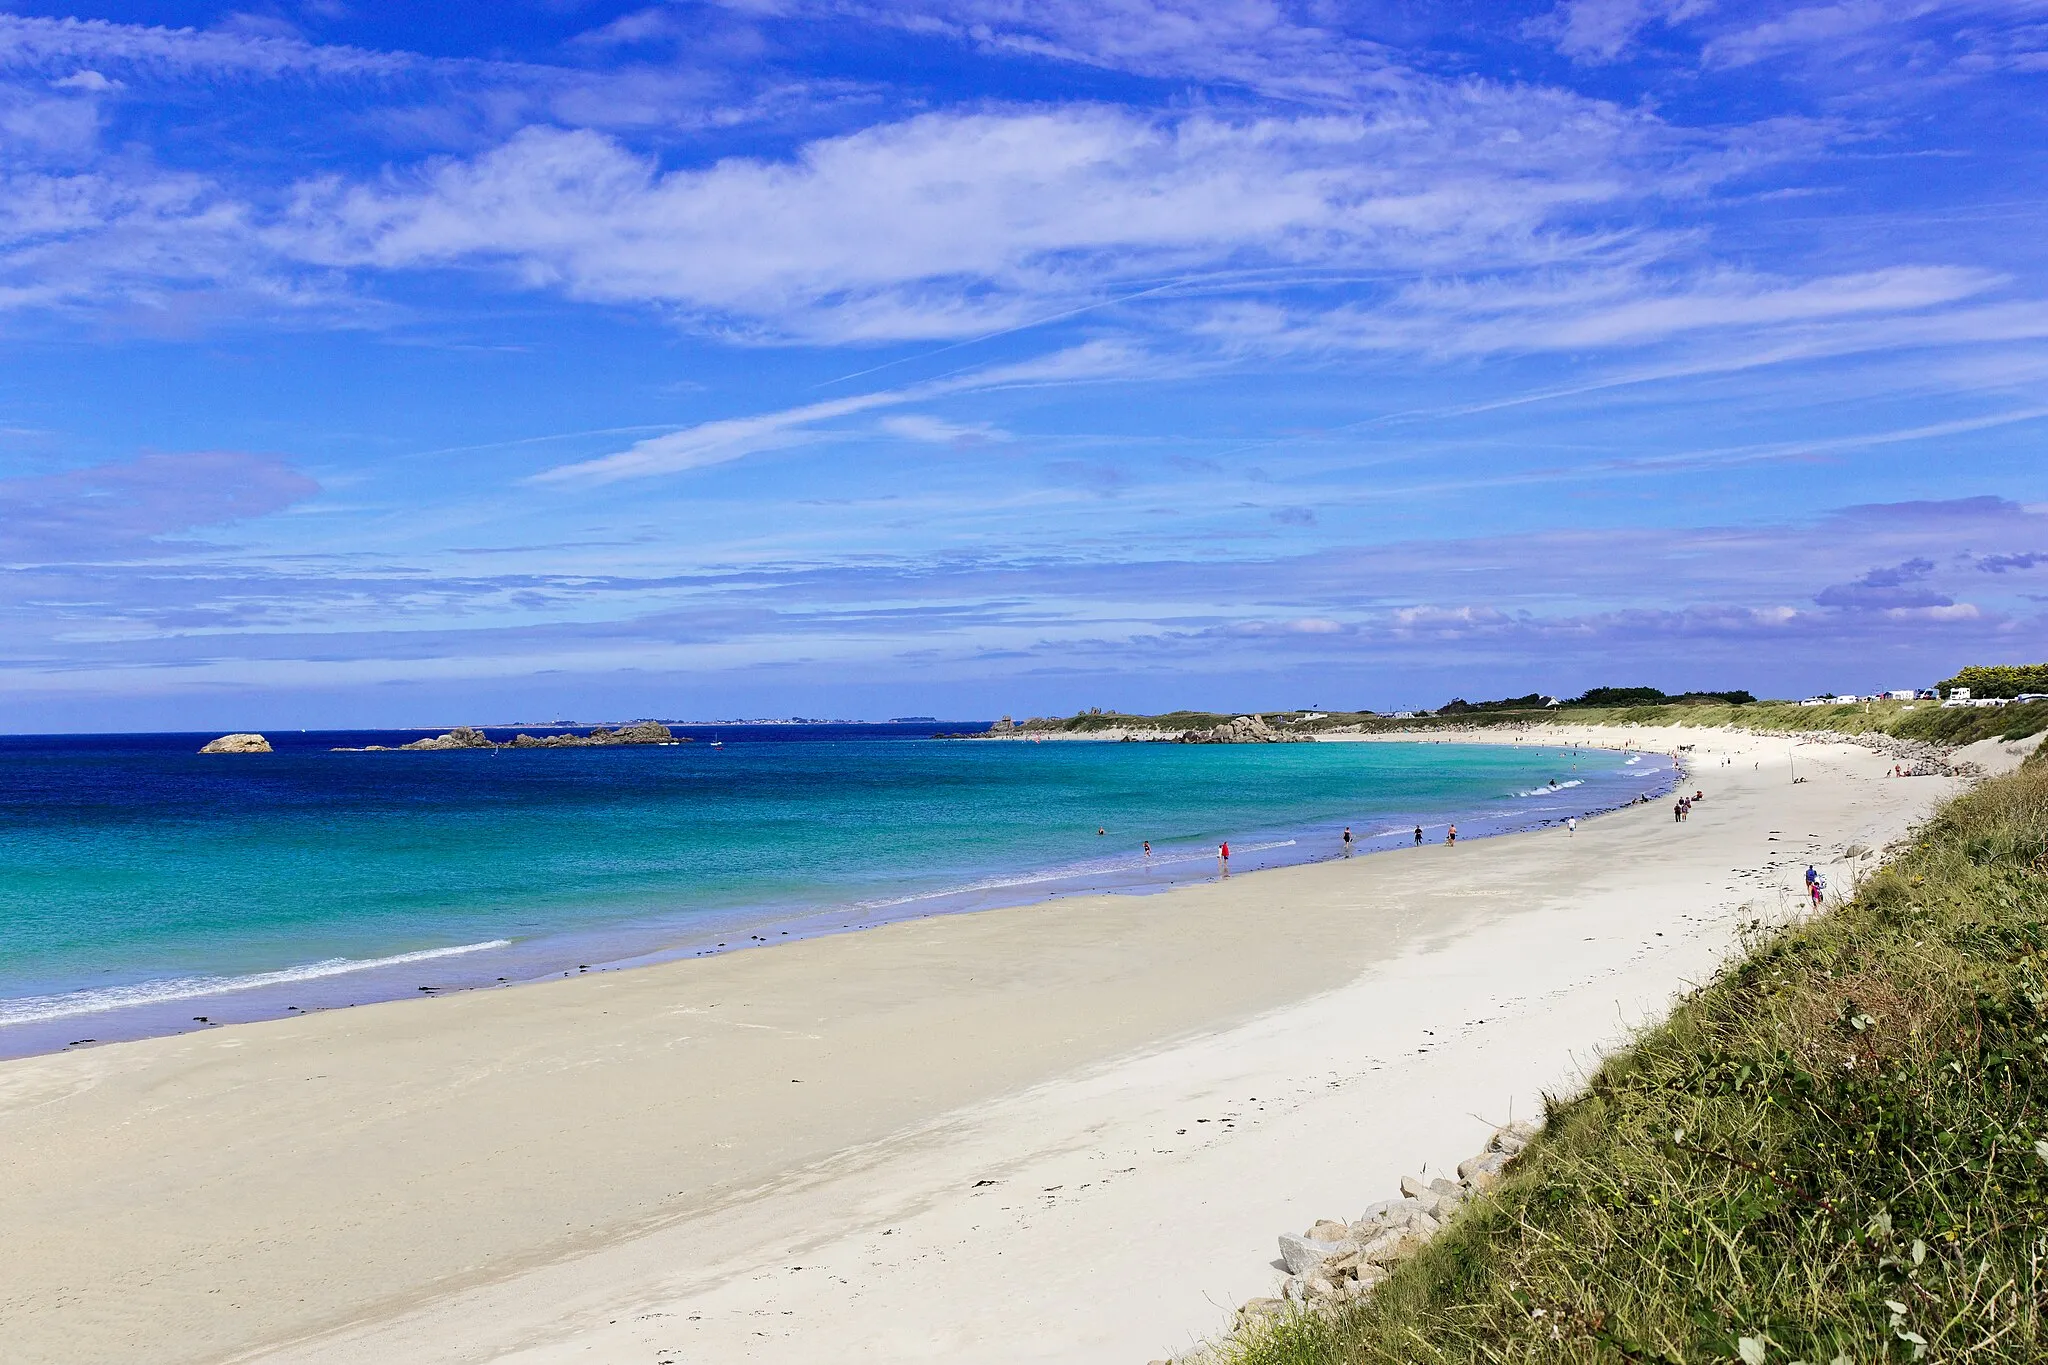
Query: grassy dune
{"type": "Point", "coordinates": [1837, 1151]}
{"type": "Point", "coordinates": [1925, 721]}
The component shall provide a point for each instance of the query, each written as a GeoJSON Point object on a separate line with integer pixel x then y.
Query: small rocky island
{"type": "Point", "coordinates": [1243, 730]}
{"type": "Point", "coordinates": [469, 737]}
{"type": "Point", "coordinates": [237, 744]}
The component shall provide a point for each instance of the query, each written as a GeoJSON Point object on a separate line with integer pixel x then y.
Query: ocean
{"type": "Point", "coordinates": [147, 889]}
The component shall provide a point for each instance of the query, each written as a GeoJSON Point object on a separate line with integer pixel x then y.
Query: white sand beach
{"type": "Point", "coordinates": [1061, 1132]}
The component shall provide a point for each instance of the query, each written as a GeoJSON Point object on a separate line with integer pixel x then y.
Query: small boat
{"type": "Point", "coordinates": [718, 744]}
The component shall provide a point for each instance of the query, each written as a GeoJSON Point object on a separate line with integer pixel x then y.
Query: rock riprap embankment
{"type": "Point", "coordinates": [237, 744]}
{"type": "Point", "coordinates": [469, 737]}
{"type": "Point", "coordinates": [1334, 1262]}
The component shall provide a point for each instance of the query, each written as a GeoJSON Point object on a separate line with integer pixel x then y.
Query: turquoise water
{"type": "Point", "coordinates": [143, 886]}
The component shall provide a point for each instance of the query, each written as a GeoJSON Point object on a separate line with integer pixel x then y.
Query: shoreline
{"type": "Point", "coordinates": [634, 1166]}
{"type": "Point", "coordinates": [195, 1004]}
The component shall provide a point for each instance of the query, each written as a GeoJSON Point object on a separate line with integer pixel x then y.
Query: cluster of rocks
{"type": "Point", "coordinates": [237, 744]}
{"type": "Point", "coordinates": [1335, 1262]}
{"type": "Point", "coordinates": [1243, 730]}
{"type": "Point", "coordinates": [642, 732]}
{"type": "Point", "coordinates": [469, 737]}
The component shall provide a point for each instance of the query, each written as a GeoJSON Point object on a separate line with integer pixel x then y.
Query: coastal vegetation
{"type": "Point", "coordinates": [1999, 680]}
{"type": "Point", "coordinates": [1924, 721]}
{"type": "Point", "coordinates": [1834, 1152]}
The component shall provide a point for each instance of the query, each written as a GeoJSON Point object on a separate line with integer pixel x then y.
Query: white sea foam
{"type": "Point", "coordinates": [1547, 790]}
{"type": "Point", "coordinates": [1631, 762]}
{"type": "Point", "coordinates": [33, 1008]}
{"type": "Point", "coordinates": [1070, 873]}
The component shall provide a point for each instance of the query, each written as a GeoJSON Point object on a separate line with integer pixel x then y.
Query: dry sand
{"type": "Point", "coordinates": [1064, 1132]}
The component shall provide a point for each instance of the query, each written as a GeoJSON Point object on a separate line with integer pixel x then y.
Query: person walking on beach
{"type": "Point", "coordinates": [1223, 857]}
{"type": "Point", "coordinates": [1418, 836]}
{"type": "Point", "coordinates": [1451, 837]}
{"type": "Point", "coordinates": [1347, 841]}
{"type": "Point", "coordinates": [1571, 825]}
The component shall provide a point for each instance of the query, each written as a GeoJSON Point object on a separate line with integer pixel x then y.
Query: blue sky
{"type": "Point", "coordinates": [964, 356]}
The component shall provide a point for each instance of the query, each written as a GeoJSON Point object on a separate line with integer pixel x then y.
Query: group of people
{"type": "Point", "coordinates": [1681, 810]}
{"type": "Point", "coordinates": [1815, 885]}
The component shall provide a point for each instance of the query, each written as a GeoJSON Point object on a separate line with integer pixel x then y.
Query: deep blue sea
{"type": "Point", "coordinates": [145, 887]}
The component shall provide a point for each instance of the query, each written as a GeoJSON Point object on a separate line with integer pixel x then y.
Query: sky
{"type": "Point", "coordinates": [412, 365]}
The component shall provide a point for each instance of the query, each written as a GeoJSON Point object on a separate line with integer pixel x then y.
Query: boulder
{"type": "Point", "coordinates": [1514, 1137]}
{"type": "Point", "coordinates": [1256, 1309]}
{"type": "Point", "coordinates": [1304, 1257]}
{"type": "Point", "coordinates": [1392, 1214]}
{"type": "Point", "coordinates": [1392, 1245]}
{"type": "Point", "coordinates": [1414, 1186]}
{"type": "Point", "coordinates": [1360, 1287]}
{"type": "Point", "coordinates": [237, 744]}
{"type": "Point", "coordinates": [461, 737]}
{"type": "Point", "coordinates": [1486, 1163]}
{"type": "Point", "coordinates": [1243, 730]}
{"type": "Point", "coordinates": [1389, 1211]}
{"type": "Point", "coordinates": [1328, 1230]}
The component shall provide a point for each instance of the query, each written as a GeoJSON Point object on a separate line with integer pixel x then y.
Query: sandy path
{"type": "Point", "coordinates": [777, 1155]}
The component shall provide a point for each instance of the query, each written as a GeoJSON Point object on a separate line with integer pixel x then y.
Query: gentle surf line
{"type": "Point", "coordinates": [35, 1008]}
{"type": "Point", "coordinates": [1069, 872]}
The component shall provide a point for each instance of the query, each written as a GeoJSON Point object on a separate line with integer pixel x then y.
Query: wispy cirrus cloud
{"type": "Point", "coordinates": [1917, 29]}
{"type": "Point", "coordinates": [728, 439]}
{"type": "Point", "coordinates": [57, 45]}
{"type": "Point", "coordinates": [1603, 30]}
{"type": "Point", "coordinates": [123, 511]}
{"type": "Point", "coordinates": [950, 224]}
{"type": "Point", "coordinates": [1552, 606]}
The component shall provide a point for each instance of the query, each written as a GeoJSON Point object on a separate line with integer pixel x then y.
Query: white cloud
{"type": "Point", "coordinates": [91, 82]}
{"type": "Point", "coordinates": [919, 426]}
{"type": "Point", "coordinates": [1603, 30]}
{"type": "Point", "coordinates": [1281, 48]}
{"type": "Point", "coordinates": [1831, 30]}
{"type": "Point", "coordinates": [727, 439]}
{"type": "Point", "coordinates": [38, 44]}
{"type": "Point", "coordinates": [952, 224]}
{"type": "Point", "coordinates": [1592, 310]}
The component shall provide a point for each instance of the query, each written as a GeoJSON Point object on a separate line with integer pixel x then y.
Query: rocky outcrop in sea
{"type": "Point", "coordinates": [469, 737]}
{"type": "Point", "coordinates": [1243, 730]}
{"type": "Point", "coordinates": [237, 744]}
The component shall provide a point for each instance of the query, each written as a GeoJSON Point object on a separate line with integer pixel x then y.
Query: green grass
{"type": "Point", "coordinates": [1926, 721]}
{"type": "Point", "coordinates": [1837, 1149]}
